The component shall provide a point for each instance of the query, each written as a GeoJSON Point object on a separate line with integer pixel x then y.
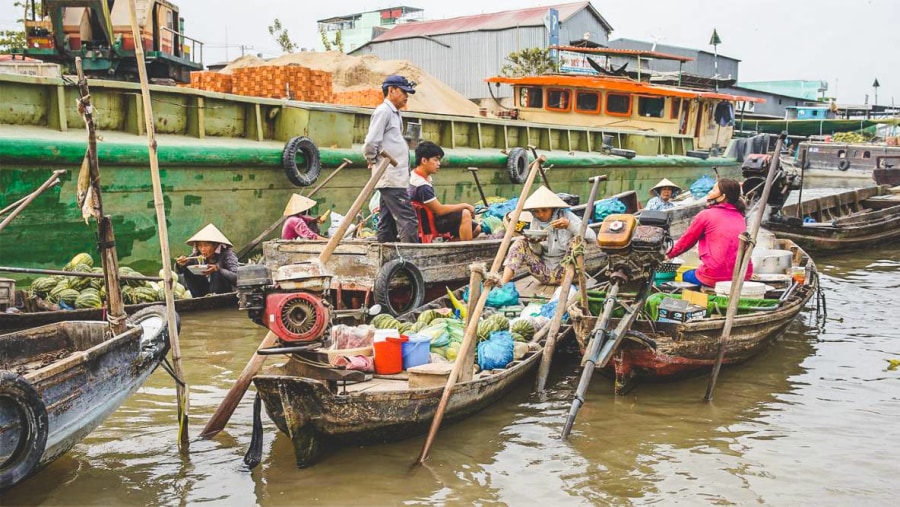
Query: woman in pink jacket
{"type": "Point", "coordinates": [717, 229]}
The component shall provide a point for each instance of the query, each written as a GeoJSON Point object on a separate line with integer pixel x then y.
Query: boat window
{"type": "Point", "coordinates": [618, 105]}
{"type": "Point", "coordinates": [531, 96]}
{"type": "Point", "coordinates": [867, 154]}
{"type": "Point", "coordinates": [587, 102]}
{"type": "Point", "coordinates": [558, 100]}
{"type": "Point", "coordinates": [676, 108]}
{"type": "Point", "coordinates": [651, 107]}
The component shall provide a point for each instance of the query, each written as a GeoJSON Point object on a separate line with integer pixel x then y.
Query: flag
{"type": "Point", "coordinates": [715, 40]}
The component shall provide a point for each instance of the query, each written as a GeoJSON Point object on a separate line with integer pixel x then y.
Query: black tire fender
{"type": "Point", "coordinates": [383, 281]}
{"type": "Point", "coordinates": [844, 164]}
{"type": "Point", "coordinates": [16, 391]}
{"type": "Point", "coordinates": [310, 172]}
{"type": "Point", "coordinates": [517, 165]}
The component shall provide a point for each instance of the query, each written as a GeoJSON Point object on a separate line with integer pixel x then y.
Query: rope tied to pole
{"type": "Point", "coordinates": [572, 255]}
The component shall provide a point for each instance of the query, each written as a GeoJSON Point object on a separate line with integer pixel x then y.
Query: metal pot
{"type": "Point", "coordinates": [765, 239]}
{"type": "Point", "coordinates": [771, 262]}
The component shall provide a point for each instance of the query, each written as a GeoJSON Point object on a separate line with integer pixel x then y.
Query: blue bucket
{"type": "Point", "coordinates": [416, 351]}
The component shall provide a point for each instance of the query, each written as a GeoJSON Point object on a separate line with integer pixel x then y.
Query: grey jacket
{"type": "Point", "coordinates": [386, 133]}
{"type": "Point", "coordinates": [554, 247]}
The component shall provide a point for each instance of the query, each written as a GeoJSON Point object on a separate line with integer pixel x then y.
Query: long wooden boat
{"type": "Point", "coordinates": [843, 165]}
{"type": "Point", "coordinates": [61, 381]}
{"type": "Point", "coordinates": [221, 152]}
{"type": "Point", "coordinates": [664, 351]}
{"type": "Point", "coordinates": [13, 321]}
{"type": "Point", "coordinates": [861, 218]}
{"type": "Point", "coordinates": [318, 411]}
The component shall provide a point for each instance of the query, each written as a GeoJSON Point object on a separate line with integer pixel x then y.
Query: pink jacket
{"type": "Point", "coordinates": [295, 228]}
{"type": "Point", "coordinates": [717, 228]}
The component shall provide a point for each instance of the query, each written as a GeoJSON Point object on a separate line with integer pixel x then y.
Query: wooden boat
{"type": "Point", "coordinates": [843, 165]}
{"type": "Point", "coordinates": [860, 218]}
{"type": "Point", "coordinates": [13, 321]}
{"type": "Point", "coordinates": [61, 381]}
{"type": "Point", "coordinates": [665, 351]}
{"type": "Point", "coordinates": [321, 408]}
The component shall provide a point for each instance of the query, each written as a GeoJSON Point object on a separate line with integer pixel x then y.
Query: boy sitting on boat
{"type": "Point", "coordinates": [454, 219]}
{"type": "Point", "coordinates": [217, 264]}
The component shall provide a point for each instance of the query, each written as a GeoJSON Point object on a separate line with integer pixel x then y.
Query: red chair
{"type": "Point", "coordinates": [426, 216]}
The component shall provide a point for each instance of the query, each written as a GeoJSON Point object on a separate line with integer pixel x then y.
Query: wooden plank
{"type": "Point", "coordinates": [258, 115]}
{"type": "Point", "coordinates": [201, 117]}
{"type": "Point", "coordinates": [61, 108]}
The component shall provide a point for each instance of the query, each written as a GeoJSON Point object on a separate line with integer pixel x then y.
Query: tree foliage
{"type": "Point", "coordinates": [280, 34]}
{"type": "Point", "coordinates": [337, 43]}
{"type": "Point", "coordinates": [528, 62]}
{"type": "Point", "coordinates": [14, 39]}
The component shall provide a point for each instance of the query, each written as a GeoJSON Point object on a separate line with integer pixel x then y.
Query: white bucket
{"type": "Point", "coordinates": [752, 290]}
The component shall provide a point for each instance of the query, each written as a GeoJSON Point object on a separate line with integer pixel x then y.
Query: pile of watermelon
{"type": "Point", "coordinates": [89, 292]}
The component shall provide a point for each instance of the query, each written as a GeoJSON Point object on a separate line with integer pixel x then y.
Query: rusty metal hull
{"type": "Point", "coordinates": [81, 374]}
{"type": "Point", "coordinates": [317, 418]}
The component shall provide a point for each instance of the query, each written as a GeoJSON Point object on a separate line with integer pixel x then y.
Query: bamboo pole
{"type": "Point", "coordinates": [25, 201]}
{"type": "Point", "coordinates": [556, 322]}
{"type": "Point", "coordinates": [748, 239]}
{"type": "Point", "coordinates": [476, 278]}
{"type": "Point", "coordinates": [181, 387]}
{"type": "Point", "coordinates": [472, 323]}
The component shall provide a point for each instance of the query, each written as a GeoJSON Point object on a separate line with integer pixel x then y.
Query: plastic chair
{"type": "Point", "coordinates": [426, 216]}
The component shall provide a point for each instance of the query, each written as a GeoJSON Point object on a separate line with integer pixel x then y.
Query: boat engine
{"type": "Point", "coordinates": [635, 247]}
{"type": "Point", "coordinates": [754, 171]}
{"type": "Point", "coordinates": [293, 304]}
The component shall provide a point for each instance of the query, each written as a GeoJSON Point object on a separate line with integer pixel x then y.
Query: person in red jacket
{"type": "Point", "coordinates": [717, 229]}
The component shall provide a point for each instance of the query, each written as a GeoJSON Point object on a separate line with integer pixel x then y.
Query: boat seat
{"type": "Point", "coordinates": [426, 218]}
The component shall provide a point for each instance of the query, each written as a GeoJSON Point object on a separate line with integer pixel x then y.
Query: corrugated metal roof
{"type": "Point", "coordinates": [533, 16]}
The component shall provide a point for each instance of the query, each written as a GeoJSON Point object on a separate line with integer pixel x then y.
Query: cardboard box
{"type": "Point", "coordinates": [679, 310]}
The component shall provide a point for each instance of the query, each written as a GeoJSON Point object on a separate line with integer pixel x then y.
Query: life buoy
{"type": "Point", "coordinates": [397, 301]}
{"type": "Point", "coordinates": [19, 397]}
{"type": "Point", "coordinates": [517, 165]}
{"type": "Point", "coordinates": [310, 172]}
{"type": "Point", "coordinates": [844, 164]}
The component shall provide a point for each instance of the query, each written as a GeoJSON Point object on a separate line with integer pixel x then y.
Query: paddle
{"type": "Point", "coordinates": [252, 244]}
{"type": "Point", "coordinates": [181, 386]}
{"type": "Point", "coordinates": [550, 344]}
{"type": "Point", "coordinates": [222, 414]}
{"type": "Point", "coordinates": [748, 239]}
{"type": "Point", "coordinates": [474, 171]}
{"type": "Point", "coordinates": [472, 322]}
{"type": "Point", "coordinates": [25, 201]}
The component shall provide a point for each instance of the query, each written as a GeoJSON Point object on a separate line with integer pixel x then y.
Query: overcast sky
{"type": "Point", "coordinates": [848, 43]}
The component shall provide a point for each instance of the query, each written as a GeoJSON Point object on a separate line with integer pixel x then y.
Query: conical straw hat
{"type": "Point", "coordinates": [209, 233]}
{"type": "Point", "coordinates": [665, 182]}
{"type": "Point", "coordinates": [298, 204]}
{"type": "Point", "coordinates": [544, 198]}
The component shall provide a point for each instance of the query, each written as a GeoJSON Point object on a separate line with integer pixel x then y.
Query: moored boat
{"type": "Point", "coordinates": [60, 381]}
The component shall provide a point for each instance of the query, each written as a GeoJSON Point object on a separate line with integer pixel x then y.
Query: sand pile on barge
{"type": "Point", "coordinates": [359, 78]}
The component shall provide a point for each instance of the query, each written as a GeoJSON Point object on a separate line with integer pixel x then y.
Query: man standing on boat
{"type": "Point", "coordinates": [396, 217]}
{"type": "Point", "coordinates": [455, 219]}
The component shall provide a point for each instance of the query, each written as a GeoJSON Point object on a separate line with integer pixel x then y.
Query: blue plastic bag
{"type": "Point", "coordinates": [606, 207]}
{"type": "Point", "coordinates": [500, 210]}
{"type": "Point", "coordinates": [507, 295]}
{"type": "Point", "coordinates": [496, 351]}
{"type": "Point", "coordinates": [549, 309]}
{"type": "Point", "coordinates": [702, 186]}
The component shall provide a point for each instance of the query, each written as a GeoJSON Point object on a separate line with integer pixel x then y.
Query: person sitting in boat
{"type": "Point", "coordinates": [213, 250]}
{"type": "Point", "coordinates": [543, 256]}
{"type": "Point", "coordinates": [298, 224]}
{"type": "Point", "coordinates": [454, 219]}
{"type": "Point", "coordinates": [717, 229]}
{"type": "Point", "coordinates": [663, 193]}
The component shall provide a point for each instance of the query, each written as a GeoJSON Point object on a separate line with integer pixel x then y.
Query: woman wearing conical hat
{"type": "Point", "coordinates": [299, 225]}
{"type": "Point", "coordinates": [663, 193]}
{"type": "Point", "coordinates": [218, 263]}
{"type": "Point", "coordinates": [543, 256]}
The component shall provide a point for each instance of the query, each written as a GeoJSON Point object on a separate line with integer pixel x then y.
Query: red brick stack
{"type": "Point", "coordinates": [211, 81]}
{"type": "Point", "coordinates": [371, 97]}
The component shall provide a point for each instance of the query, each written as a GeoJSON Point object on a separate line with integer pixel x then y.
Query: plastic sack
{"type": "Point", "coordinates": [496, 351]}
{"type": "Point", "coordinates": [500, 210]}
{"type": "Point", "coordinates": [352, 337]}
{"type": "Point", "coordinates": [702, 186]}
{"type": "Point", "coordinates": [335, 223]}
{"type": "Point", "coordinates": [549, 309]}
{"type": "Point", "coordinates": [507, 295]}
{"type": "Point", "coordinates": [437, 332]}
{"type": "Point", "coordinates": [606, 207]}
{"type": "Point", "coordinates": [491, 225]}
{"type": "Point", "coordinates": [375, 202]}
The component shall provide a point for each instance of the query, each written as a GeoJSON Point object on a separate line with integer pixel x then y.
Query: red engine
{"type": "Point", "coordinates": [295, 317]}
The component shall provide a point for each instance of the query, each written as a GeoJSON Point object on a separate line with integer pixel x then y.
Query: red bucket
{"type": "Point", "coordinates": [389, 356]}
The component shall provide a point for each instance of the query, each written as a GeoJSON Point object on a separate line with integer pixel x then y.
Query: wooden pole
{"type": "Point", "coordinates": [472, 323]}
{"type": "Point", "coordinates": [748, 239]}
{"type": "Point", "coordinates": [467, 358]}
{"type": "Point", "coordinates": [556, 322]}
{"type": "Point", "coordinates": [223, 413]}
{"type": "Point", "coordinates": [107, 240]}
{"type": "Point", "coordinates": [181, 387]}
{"type": "Point", "coordinates": [25, 201]}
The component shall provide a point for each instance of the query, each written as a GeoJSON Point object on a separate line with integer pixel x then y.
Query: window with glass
{"type": "Point", "coordinates": [587, 102]}
{"type": "Point", "coordinates": [651, 107]}
{"type": "Point", "coordinates": [676, 108]}
{"type": "Point", "coordinates": [558, 100]}
{"type": "Point", "coordinates": [618, 104]}
{"type": "Point", "coordinates": [531, 96]}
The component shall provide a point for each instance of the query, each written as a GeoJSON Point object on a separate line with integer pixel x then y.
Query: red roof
{"type": "Point", "coordinates": [18, 58]}
{"type": "Point", "coordinates": [533, 16]}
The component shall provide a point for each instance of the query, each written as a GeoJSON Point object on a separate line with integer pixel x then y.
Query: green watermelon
{"type": "Point", "coordinates": [88, 300]}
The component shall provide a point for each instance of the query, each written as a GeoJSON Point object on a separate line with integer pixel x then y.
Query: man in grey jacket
{"type": "Point", "coordinates": [396, 217]}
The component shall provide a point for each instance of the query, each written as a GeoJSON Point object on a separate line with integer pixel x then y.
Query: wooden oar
{"type": "Point", "coordinates": [550, 344]}
{"type": "Point", "coordinates": [472, 323]}
{"type": "Point", "coordinates": [25, 201]}
{"type": "Point", "coordinates": [223, 413]}
{"type": "Point", "coordinates": [181, 387]}
{"type": "Point", "coordinates": [252, 244]}
{"type": "Point", "coordinates": [748, 239]}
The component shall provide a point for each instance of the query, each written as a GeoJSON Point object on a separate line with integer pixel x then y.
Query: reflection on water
{"type": "Point", "coordinates": [812, 420]}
